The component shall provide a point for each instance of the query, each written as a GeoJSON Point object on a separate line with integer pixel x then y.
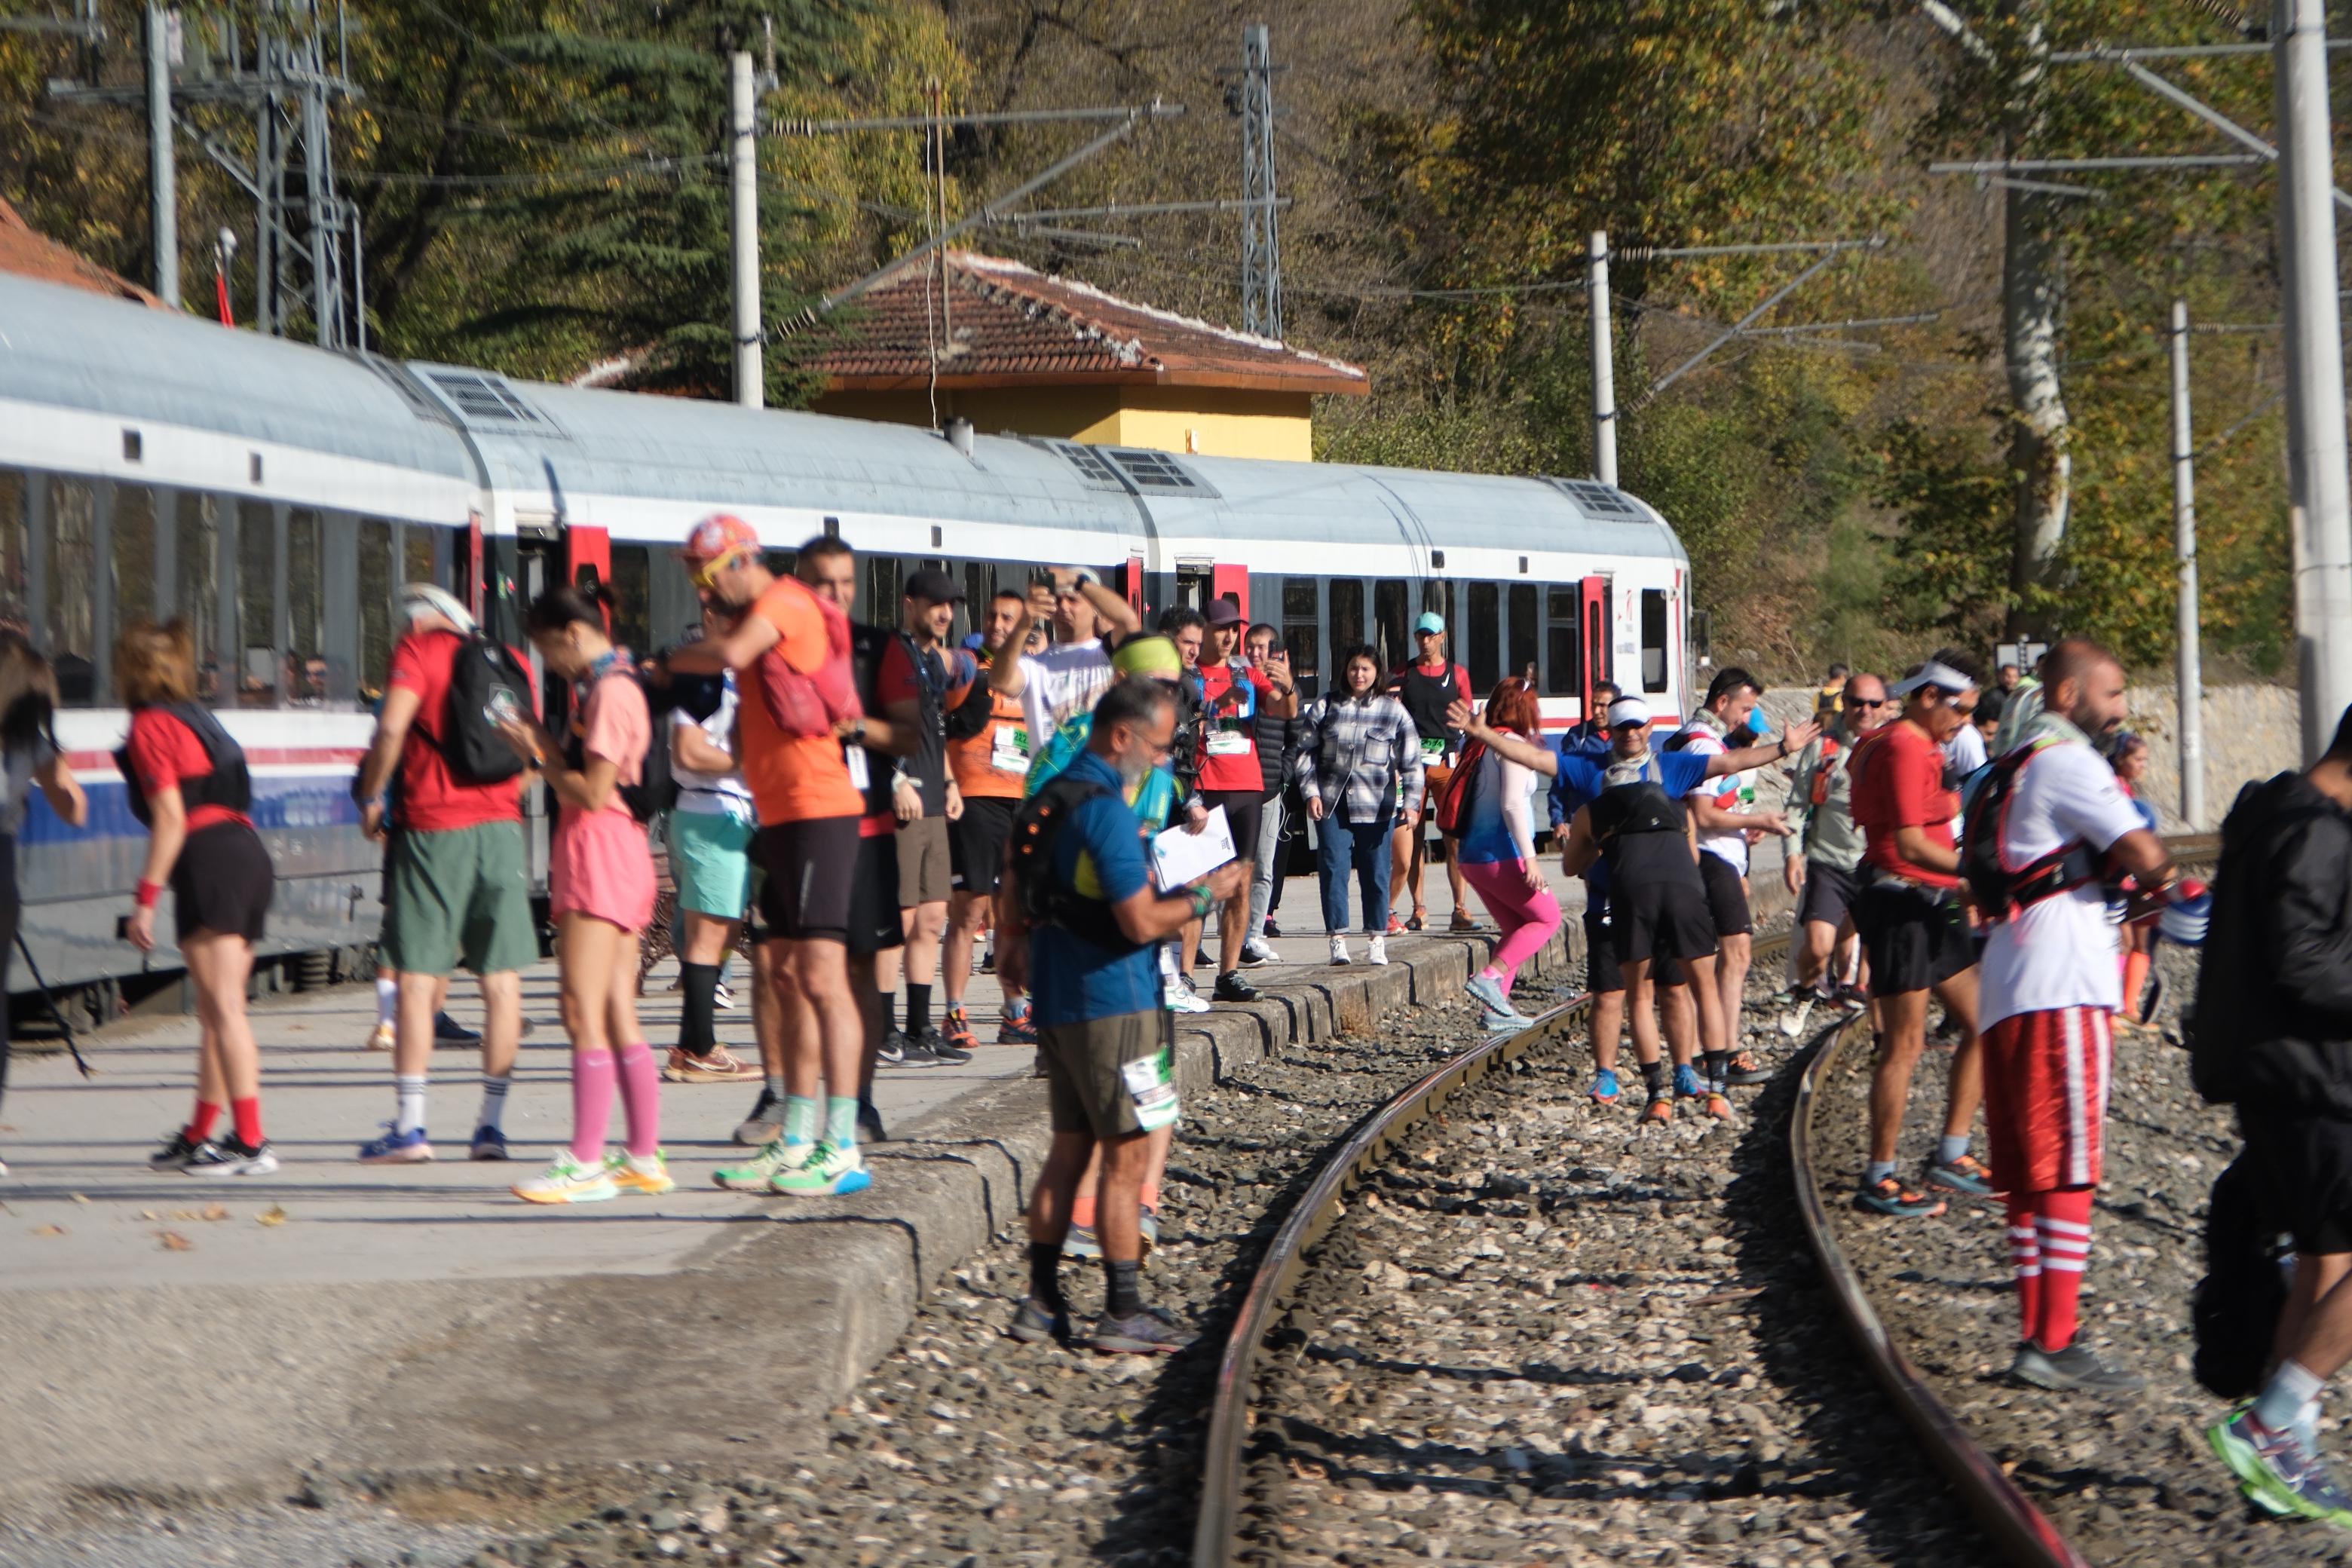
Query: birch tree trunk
{"type": "Point", "coordinates": [2033, 295]}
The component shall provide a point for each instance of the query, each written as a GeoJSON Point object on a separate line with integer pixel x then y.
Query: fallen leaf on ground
{"type": "Point", "coordinates": [80, 1197]}
{"type": "Point", "coordinates": [174, 1242]}
{"type": "Point", "coordinates": [273, 1215]}
{"type": "Point", "coordinates": [48, 1230]}
{"type": "Point", "coordinates": [149, 1214]}
{"type": "Point", "coordinates": [217, 1211]}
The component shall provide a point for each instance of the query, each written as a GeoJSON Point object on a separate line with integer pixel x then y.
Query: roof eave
{"type": "Point", "coordinates": [989, 381]}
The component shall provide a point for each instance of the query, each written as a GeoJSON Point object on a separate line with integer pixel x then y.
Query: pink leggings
{"type": "Point", "coordinates": [1528, 918]}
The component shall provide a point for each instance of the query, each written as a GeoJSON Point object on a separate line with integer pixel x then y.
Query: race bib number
{"type": "Point", "coordinates": [1433, 748]}
{"type": "Point", "coordinates": [1009, 752]}
{"type": "Point", "coordinates": [1224, 742]}
{"type": "Point", "coordinates": [1152, 1084]}
{"type": "Point", "coordinates": [859, 779]}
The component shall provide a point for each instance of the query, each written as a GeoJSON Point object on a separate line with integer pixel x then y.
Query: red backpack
{"type": "Point", "coordinates": [811, 704]}
{"type": "Point", "coordinates": [1459, 797]}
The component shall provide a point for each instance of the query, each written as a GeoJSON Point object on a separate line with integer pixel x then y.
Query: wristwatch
{"type": "Point", "coordinates": [1085, 574]}
{"type": "Point", "coordinates": [857, 732]}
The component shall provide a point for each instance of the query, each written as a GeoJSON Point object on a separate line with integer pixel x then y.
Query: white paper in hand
{"type": "Point", "coordinates": [1178, 856]}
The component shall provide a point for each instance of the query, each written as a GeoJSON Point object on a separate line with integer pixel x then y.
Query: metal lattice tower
{"type": "Point", "coordinates": [306, 242]}
{"type": "Point", "coordinates": [1261, 217]}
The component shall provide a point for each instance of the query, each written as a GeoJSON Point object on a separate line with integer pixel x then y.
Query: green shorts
{"type": "Point", "coordinates": [711, 862]}
{"type": "Point", "coordinates": [1086, 1089]}
{"type": "Point", "coordinates": [458, 900]}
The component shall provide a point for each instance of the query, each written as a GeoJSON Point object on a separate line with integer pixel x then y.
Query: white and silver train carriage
{"type": "Point", "coordinates": [277, 495]}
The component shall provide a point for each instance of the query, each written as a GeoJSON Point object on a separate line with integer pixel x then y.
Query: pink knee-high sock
{"type": "Point", "coordinates": [641, 1096]}
{"type": "Point", "coordinates": [592, 1103]}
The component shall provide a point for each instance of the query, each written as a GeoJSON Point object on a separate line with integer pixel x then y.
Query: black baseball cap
{"type": "Point", "coordinates": [934, 585]}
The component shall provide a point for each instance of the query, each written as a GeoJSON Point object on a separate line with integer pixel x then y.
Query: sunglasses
{"type": "Point", "coordinates": [707, 574]}
{"type": "Point", "coordinates": [1870, 703]}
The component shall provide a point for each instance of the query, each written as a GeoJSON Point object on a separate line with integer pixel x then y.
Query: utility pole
{"type": "Point", "coordinates": [2189, 660]}
{"type": "Point", "coordinates": [2320, 493]}
{"type": "Point", "coordinates": [1604, 364]}
{"type": "Point", "coordinates": [162, 183]}
{"type": "Point", "coordinates": [751, 388]}
{"type": "Point", "coordinates": [1261, 219]}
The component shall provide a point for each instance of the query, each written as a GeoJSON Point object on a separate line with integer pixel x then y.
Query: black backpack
{"type": "Point", "coordinates": [1036, 829]}
{"type": "Point", "coordinates": [484, 674]}
{"type": "Point", "coordinates": [1993, 888]}
{"type": "Point", "coordinates": [229, 783]}
{"type": "Point", "coordinates": [656, 790]}
{"type": "Point", "coordinates": [2234, 1309]}
{"type": "Point", "coordinates": [2233, 956]}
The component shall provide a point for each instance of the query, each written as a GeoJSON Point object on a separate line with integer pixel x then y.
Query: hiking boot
{"type": "Point", "coordinates": [2064, 1371]}
{"type": "Point", "coordinates": [1151, 1331]}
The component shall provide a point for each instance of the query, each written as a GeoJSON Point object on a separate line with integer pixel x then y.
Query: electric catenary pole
{"type": "Point", "coordinates": [1261, 217]}
{"type": "Point", "coordinates": [2190, 665]}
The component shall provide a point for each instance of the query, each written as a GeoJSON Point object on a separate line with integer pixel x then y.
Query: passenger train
{"type": "Point", "coordinates": [277, 495]}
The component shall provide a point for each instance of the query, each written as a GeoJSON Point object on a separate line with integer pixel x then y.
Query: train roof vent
{"type": "Point", "coordinates": [1152, 470]}
{"type": "Point", "coordinates": [483, 398]}
{"type": "Point", "coordinates": [1596, 499]}
{"type": "Point", "coordinates": [1088, 461]}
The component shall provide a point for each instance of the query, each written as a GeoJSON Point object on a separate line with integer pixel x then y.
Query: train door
{"type": "Point", "coordinates": [1230, 582]}
{"type": "Point", "coordinates": [540, 565]}
{"type": "Point", "coordinates": [1599, 663]}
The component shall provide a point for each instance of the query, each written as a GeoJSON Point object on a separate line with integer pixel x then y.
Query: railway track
{"type": "Point", "coordinates": [1244, 1515]}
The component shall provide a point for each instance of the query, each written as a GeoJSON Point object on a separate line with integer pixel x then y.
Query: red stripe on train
{"type": "Point", "coordinates": [255, 756]}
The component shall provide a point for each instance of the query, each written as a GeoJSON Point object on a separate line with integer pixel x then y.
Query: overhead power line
{"type": "Point", "coordinates": [783, 125]}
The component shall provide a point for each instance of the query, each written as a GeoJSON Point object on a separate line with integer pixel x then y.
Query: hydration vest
{"type": "Point", "coordinates": [1045, 899]}
{"type": "Point", "coordinates": [1634, 800]}
{"type": "Point", "coordinates": [1831, 751]}
{"type": "Point", "coordinates": [1993, 888]}
{"type": "Point", "coordinates": [229, 785]}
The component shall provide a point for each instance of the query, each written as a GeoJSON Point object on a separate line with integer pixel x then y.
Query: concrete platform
{"type": "Point", "coordinates": [342, 1319]}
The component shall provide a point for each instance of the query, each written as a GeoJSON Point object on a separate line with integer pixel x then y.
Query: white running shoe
{"type": "Point", "coordinates": [1379, 954]}
{"type": "Point", "coordinates": [225, 1156]}
{"type": "Point", "coordinates": [1181, 998]}
{"type": "Point", "coordinates": [569, 1181]}
{"type": "Point", "coordinates": [1340, 959]}
{"type": "Point", "coordinates": [1257, 950]}
{"type": "Point", "coordinates": [383, 1038]}
{"type": "Point", "coordinates": [1793, 1023]}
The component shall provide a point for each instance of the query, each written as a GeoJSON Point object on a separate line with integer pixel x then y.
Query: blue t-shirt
{"type": "Point", "coordinates": [1100, 855]}
{"type": "Point", "coordinates": [1580, 782]}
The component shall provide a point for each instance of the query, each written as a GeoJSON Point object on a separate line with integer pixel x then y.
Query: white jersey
{"type": "Point", "coordinates": [713, 794]}
{"type": "Point", "coordinates": [1730, 845]}
{"type": "Point", "coordinates": [2059, 952]}
{"type": "Point", "coordinates": [1059, 684]}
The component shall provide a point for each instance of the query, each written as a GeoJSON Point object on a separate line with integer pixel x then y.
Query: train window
{"type": "Point", "coordinates": [133, 548]}
{"type": "Point", "coordinates": [882, 575]}
{"type": "Point", "coordinates": [1654, 639]}
{"type": "Point", "coordinates": [676, 614]}
{"type": "Point", "coordinates": [1564, 607]}
{"type": "Point", "coordinates": [14, 501]}
{"type": "Point", "coordinates": [256, 605]}
{"type": "Point", "coordinates": [1346, 620]}
{"type": "Point", "coordinates": [1524, 640]}
{"type": "Point", "coordinates": [305, 679]}
{"type": "Point", "coordinates": [416, 562]}
{"type": "Point", "coordinates": [195, 578]}
{"type": "Point", "coordinates": [1484, 653]}
{"type": "Point", "coordinates": [375, 607]}
{"type": "Point", "coordinates": [632, 588]}
{"type": "Point", "coordinates": [70, 537]}
{"type": "Point", "coordinates": [1301, 629]}
{"type": "Point", "coordinates": [1390, 615]}
{"type": "Point", "coordinates": [978, 587]}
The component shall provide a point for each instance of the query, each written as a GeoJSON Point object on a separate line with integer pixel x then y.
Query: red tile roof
{"type": "Point", "coordinates": [1010, 325]}
{"type": "Point", "coordinates": [27, 253]}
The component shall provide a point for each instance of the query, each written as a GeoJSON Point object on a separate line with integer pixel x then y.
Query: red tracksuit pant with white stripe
{"type": "Point", "coordinates": [2045, 1076]}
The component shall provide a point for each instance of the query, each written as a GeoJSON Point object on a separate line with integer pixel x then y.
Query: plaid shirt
{"type": "Point", "coordinates": [1363, 747]}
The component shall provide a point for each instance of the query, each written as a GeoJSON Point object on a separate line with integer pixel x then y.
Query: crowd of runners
{"type": "Point", "coordinates": [1071, 800]}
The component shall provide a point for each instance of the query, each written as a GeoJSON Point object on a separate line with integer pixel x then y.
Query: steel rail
{"type": "Point", "coordinates": [2025, 1534]}
{"type": "Point", "coordinates": [1217, 1539]}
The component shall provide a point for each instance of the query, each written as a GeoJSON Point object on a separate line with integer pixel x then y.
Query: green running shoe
{"type": "Point", "coordinates": [758, 1173]}
{"type": "Point", "coordinates": [827, 1171]}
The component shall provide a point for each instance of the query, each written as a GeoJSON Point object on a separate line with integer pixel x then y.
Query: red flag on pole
{"type": "Point", "coordinates": [220, 293]}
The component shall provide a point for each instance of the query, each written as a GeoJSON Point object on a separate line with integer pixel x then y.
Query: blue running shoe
{"type": "Point", "coordinates": [398, 1148]}
{"type": "Point", "coordinates": [490, 1143]}
{"type": "Point", "coordinates": [1686, 1084]}
{"type": "Point", "coordinates": [447, 1031]}
{"type": "Point", "coordinates": [1604, 1086]}
{"type": "Point", "coordinates": [2279, 1472]}
{"type": "Point", "coordinates": [1488, 991]}
{"type": "Point", "coordinates": [1890, 1197]}
{"type": "Point", "coordinates": [1966, 1175]}
{"type": "Point", "coordinates": [1080, 1241]}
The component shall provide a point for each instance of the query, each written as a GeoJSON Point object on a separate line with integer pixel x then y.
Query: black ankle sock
{"type": "Point", "coordinates": [889, 1011]}
{"type": "Point", "coordinates": [1719, 1069]}
{"type": "Point", "coordinates": [1653, 1076]}
{"type": "Point", "coordinates": [1045, 1273]}
{"type": "Point", "coordinates": [697, 1027]}
{"type": "Point", "coordinates": [919, 1007]}
{"type": "Point", "coordinates": [1125, 1295]}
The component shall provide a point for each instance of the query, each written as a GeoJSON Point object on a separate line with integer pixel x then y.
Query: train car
{"type": "Point", "coordinates": [277, 496]}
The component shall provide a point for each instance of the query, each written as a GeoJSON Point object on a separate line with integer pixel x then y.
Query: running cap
{"type": "Point", "coordinates": [1155, 657]}
{"type": "Point", "coordinates": [1933, 674]}
{"type": "Point", "coordinates": [719, 536]}
{"type": "Point", "coordinates": [934, 586]}
{"type": "Point", "coordinates": [426, 599]}
{"type": "Point", "coordinates": [1430, 621]}
{"type": "Point", "coordinates": [1224, 612]}
{"type": "Point", "coordinates": [1628, 711]}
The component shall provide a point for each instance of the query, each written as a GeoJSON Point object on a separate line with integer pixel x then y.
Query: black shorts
{"type": "Point", "coordinates": [874, 922]}
{"type": "Point", "coordinates": [223, 882]}
{"type": "Point", "coordinates": [1829, 895]}
{"type": "Point", "coordinates": [976, 843]}
{"type": "Point", "coordinates": [2306, 1168]}
{"type": "Point", "coordinates": [1244, 807]}
{"type": "Point", "coordinates": [809, 869]}
{"type": "Point", "coordinates": [1914, 940]}
{"type": "Point", "coordinates": [1603, 975]}
{"type": "Point", "coordinates": [1727, 895]}
{"type": "Point", "coordinates": [1661, 917]}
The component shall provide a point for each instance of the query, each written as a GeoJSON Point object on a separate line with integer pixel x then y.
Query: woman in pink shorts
{"type": "Point", "coordinates": [600, 877]}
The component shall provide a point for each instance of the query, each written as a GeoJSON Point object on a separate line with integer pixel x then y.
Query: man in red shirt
{"type": "Point", "coordinates": [1915, 930]}
{"type": "Point", "coordinates": [457, 890]}
{"type": "Point", "coordinates": [1427, 688]}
